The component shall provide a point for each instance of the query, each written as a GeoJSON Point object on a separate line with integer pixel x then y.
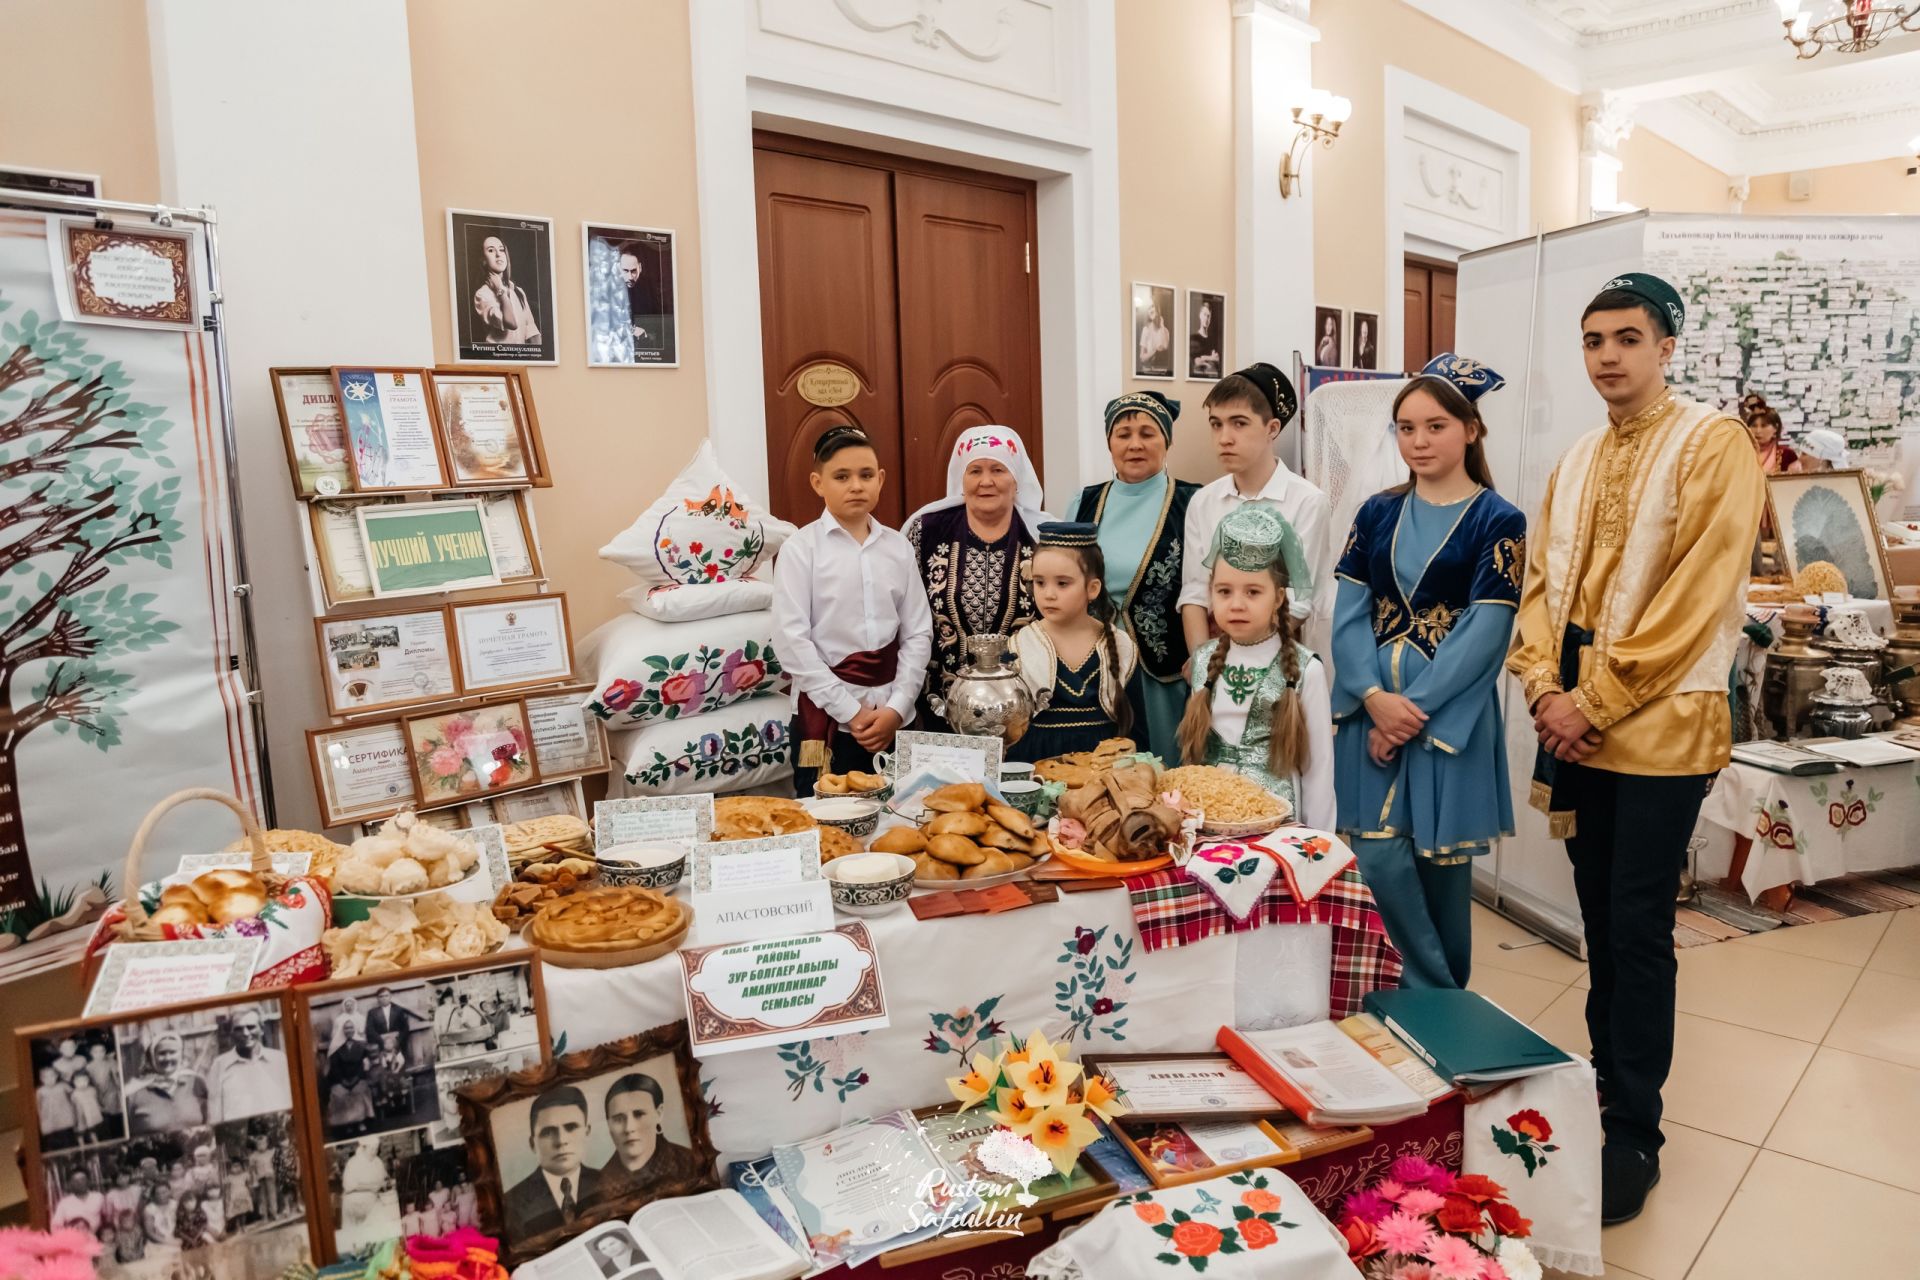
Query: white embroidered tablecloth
{"type": "Point", "coordinates": [1074, 968]}
{"type": "Point", "coordinates": [1806, 830]}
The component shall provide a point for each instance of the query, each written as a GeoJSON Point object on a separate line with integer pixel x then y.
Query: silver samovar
{"type": "Point", "coordinates": [1792, 674]}
{"type": "Point", "coordinates": [1845, 708]}
{"type": "Point", "coordinates": [987, 697]}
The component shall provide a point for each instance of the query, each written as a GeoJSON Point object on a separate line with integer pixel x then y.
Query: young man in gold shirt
{"type": "Point", "coordinates": [1632, 606]}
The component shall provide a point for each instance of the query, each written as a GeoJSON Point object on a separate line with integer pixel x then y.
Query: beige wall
{"type": "Point", "coordinates": [1175, 75]}
{"type": "Point", "coordinates": [611, 140]}
{"type": "Point", "coordinates": [1881, 186]}
{"type": "Point", "coordinates": [1657, 175]}
{"type": "Point", "coordinates": [109, 134]}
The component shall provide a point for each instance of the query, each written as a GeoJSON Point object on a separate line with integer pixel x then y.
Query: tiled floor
{"type": "Point", "coordinates": [1793, 1111]}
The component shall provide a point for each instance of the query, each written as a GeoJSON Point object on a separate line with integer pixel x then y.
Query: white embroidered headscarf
{"type": "Point", "coordinates": [1004, 445]}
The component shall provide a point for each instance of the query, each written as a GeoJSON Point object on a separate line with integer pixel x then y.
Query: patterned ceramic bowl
{"type": "Point", "coordinates": [855, 815]}
{"type": "Point", "coordinates": [869, 897]}
{"type": "Point", "coordinates": [642, 874]}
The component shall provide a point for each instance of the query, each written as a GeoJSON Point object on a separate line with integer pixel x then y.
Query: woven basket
{"type": "Point", "coordinates": [138, 927]}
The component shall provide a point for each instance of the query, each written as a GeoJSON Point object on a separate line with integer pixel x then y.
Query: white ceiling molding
{"type": "Point", "coordinates": [1714, 77]}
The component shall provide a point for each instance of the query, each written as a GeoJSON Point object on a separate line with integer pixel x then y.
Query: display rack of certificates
{"type": "Point", "coordinates": [446, 664]}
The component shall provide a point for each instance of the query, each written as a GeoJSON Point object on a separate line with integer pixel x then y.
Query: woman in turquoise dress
{"type": "Point", "coordinates": [1429, 583]}
{"type": "Point", "coordinates": [1142, 516]}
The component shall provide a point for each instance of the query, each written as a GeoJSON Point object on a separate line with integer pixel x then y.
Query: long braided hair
{"type": "Point", "coordinates": [1093, 567]}
{"type": "Point", "coordinates": [1287, 744]}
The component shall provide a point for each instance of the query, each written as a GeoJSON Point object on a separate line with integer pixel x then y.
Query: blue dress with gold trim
{"type": "Point", "coordinates": [1425, 605]}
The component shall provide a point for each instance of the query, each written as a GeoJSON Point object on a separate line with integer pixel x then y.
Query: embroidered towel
{"type": "Point", "coordinates": [1311, 859]}
{"type": "Point", "coordinates": [1257, 1223]}
{"type": "Point", "coordinates": [1234, 873]}
{"type": "Point", "coordinates": [1539, 1137]}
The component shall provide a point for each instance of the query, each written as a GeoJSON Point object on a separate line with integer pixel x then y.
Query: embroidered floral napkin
{"type": "Point", "coordinates": [1540, 1139]}
{"type": "Point", "coordinates": [1234, 873]}
{"type": "Point", "coordinates": [1311, 859]}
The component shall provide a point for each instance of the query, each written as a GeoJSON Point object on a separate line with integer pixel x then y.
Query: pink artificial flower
{"type": "Point", "coordinates": [1390, 1189]}
{"type": "Point", "coordinates": [446, 762]}
{"type": "Point", "coordinates": [1419, 1201]}
{"type": "Point", "coordinates": [1412, 1271]}
{"type": "Point", "coordinates": [1454, 1259]}
{"type": "Point", "coordinates": [1368, 1206]}
{"type": "Point", "coordinates": [1404, 1233]}
{"type": "Point", "coordinates": [1413, 1171]}
{"type": "Point", "coordinates": [1492, 1270]}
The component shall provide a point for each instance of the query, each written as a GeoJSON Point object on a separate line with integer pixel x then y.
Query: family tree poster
{"type": "Point", "coordinates": [118, 626]}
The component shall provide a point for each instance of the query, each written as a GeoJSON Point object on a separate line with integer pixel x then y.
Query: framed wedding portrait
{"type": "Point", "coordinates": [378, 661]}
{"type": "Point", "coordinates": [361, 772]}
{"type": "Point", "coordinates": [392, 430]}
{"type": "Point", "coordinates": [487, 438]}
{"type": "Point", "coordinates": [470, 752]}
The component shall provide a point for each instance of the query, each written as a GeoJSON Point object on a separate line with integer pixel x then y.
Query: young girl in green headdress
{"type": "Point", "coordinates": [1259, 704]}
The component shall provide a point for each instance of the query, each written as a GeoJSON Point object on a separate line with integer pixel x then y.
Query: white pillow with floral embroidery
{"type": "Point", "coordinates": [745, 745]}
{"type": "Point", "coordinates": [645, 670]}
{"type": "Point", "coordinates": [676, 602]}
{"type": "Point", "coordinates": [702, 529]}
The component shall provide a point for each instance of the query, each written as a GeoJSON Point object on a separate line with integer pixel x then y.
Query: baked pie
{"type": "Point", "coordinates": [608, 918]}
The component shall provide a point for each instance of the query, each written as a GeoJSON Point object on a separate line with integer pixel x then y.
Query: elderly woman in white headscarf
{"type": "Point", "coordinates": [975, 550]}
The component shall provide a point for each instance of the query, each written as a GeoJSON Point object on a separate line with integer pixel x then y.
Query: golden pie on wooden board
{"type": "Point", "coordinates": [608, 918]}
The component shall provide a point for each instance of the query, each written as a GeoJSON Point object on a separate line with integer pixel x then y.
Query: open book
{"type": "Point", "coordinates": [1322, 1075]}
{"type": "Point", "coordinates": [712, 1236]}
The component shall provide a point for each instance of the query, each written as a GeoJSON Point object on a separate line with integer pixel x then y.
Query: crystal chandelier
{"type": "Point", "coordinates": [1859, 26]}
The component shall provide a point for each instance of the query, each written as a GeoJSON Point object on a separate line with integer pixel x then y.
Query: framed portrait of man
{"type": "Point", "coordinates": [1206, 335]}
{"type": "Point", "coordinates": [632, 296]}
{"type": "Point", "coordinates": [501, 268]}
{"type": "Point", "coordinates": [1366, 340]}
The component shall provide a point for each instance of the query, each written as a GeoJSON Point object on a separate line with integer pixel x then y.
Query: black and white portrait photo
{"type": "Point", "coordinates": [1206, 335]}
{"type": "Point", "coordinates": [631, 294]}
{"type": "Point", "coordinates": [501, 270]}
{"type": "Point", "coordinates": [375, 1053]}
{"type": "Point", "coordinates": [1366, 340]}
{"type": "Point", "coordinates": [204, 1067]}
{"type": "Point", "coordinates": [1327, 322]}
{"type": "Point", "coordinates": [77, 1089]}
{"type": "Point", "coordinates": [1153, 319]}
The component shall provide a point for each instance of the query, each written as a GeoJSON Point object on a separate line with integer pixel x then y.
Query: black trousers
{"type": "Point", "coordinates": [845, 756]}
{"type": "Point", "coordinates": [1628, 850]}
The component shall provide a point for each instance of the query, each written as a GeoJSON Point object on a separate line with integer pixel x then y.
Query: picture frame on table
{"type": "Point", "coordinates": [630, 291]}
{"type": "Point", "coordinates": [464, 753]}
{"type": "Point", "coordinates": [392, 427]}
{"type": "Point", "coordinates": [1174, 1152]}
{"type": "Point", "coordinates": [362, 772]}
{"type": "Point", "coordinates": [484, 430]}
{"type": "Point", "coordinates": [955, 1137]}
{"type": "Point", "coordinates": [381, 661]}
{"type": "Point", "coordinates": [203, 1149]}
{"type": "Point", "coordinates": [516, 642]}
{"type": "Point", "coordinates": [383, 1058]}
{"type": "Point", "coordinates": [646, 1120]}
{"type": "Point", "coordinates": [422, 548]}
{"type": "Point", "coordinates": [569, 741]}
{"type": "Point", "coordinates": [1153, 326]}
{"type": "Point", "coordinates": [314, 430]}
{"type": "Point", "coordinates": [1183, 1086]}
{"type": "Point", "coordinates": [508, 517]}
{"type": "Point", "coordinates": [1829, 515]}
{"type": "Point", "coordinates": [503, 296]}
{"type": "Point", "coordinates": [524, 409]}
{"type": "Point", "coordinates": [1204, 334]}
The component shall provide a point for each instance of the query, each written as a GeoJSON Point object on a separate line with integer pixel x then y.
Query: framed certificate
{"type": "Point", "coordinates": [360, 771]}
{"type": "Point", "coordinates": [142, 278]}
{"type": "Point", "coordinates": [541, 802]}
{"type": "Point", "coordinates": [470, 752]}
{"type": "Point", "coordinates": [417, 547]}
{"type": "Point", "coordinates": [1184, 1086]}
{"type": "Point", "coordinates": [339, 552]}
{"type": "Point", "coordinates": [393, 441]}
{"type": "Point", "coordinates": [540, 475]}
{"type": "Point", "coordinates": [512, 644]}
{"type": "Point", "coordinates": [385, 660]}
{"type": "Point", "coordinates": [509, 520]}
{"type": "Point", "coordinates": [568, 739]}
{"type": "Point", "coordinates": [485, 436]}
{"type": "Point", "coordinates": [313, 430]}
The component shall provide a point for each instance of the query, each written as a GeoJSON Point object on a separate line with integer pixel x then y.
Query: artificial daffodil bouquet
{"type": "Point", "coordinates": [1040, 1096]}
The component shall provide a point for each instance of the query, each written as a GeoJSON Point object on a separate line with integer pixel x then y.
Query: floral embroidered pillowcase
{"type": "Point", "coordinates": [702, 530]}
{"type": "Point", "coordinates": [742, 746]}
{"type": "Point", "coordinates": [647, 671]}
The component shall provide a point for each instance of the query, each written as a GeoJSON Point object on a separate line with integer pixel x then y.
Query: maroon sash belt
{"type": "Point", "coordinates": [869, 669]}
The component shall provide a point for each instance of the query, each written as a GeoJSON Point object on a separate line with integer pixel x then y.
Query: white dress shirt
{"type": "Point", "coordinates": [833, 597]}
{"type": "Point", "coordinates": [1306, 508]}
{"type": "Point", "coordinates": [1312, 786]}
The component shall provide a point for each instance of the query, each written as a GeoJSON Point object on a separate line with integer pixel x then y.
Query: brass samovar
{"type": "Point", "coordinates": [1792, 674]}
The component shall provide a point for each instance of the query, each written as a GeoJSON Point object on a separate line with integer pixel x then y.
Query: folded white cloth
{"type": "Point", "coordinates": [1234, 872]}
{"type": "Point", "coordinates": [1311, 859]}
{"type": "Point", "coordinates": [1540, 1139]}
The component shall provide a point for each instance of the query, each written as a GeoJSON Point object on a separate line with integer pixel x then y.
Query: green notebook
{"type": "Point", "coordinates": [1463, 1036]}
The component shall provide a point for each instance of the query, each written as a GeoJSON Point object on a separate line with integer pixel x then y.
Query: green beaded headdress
{"type": "Point", "coordinates": [1255, 535]}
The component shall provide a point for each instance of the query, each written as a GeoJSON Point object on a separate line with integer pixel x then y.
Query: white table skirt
{"type": "Point", "coordinates": [1074, 968]}
{"type": "Point", "coordinates": [1805, 830]}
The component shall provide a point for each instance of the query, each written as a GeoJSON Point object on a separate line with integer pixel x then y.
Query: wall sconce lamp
{"type": "Point", "coordinates": [1317, 116]}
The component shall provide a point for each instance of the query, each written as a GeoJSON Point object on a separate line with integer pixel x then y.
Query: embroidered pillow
{"type": "Point", "coordinates": [740, 747]}
{"type": "Point", "coordinates": [702, 529]}
{"type": "Point", "coordinates": [677, 602]}
{"type": "Point", "coordinates": [645, 671]}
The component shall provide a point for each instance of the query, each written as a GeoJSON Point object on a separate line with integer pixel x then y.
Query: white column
{"type": "Point", "coordinates": [1273, 237]}
{"type": "Point", "coordinates": [295, 122]}
{"type": "Point", "coordinates": [1606, 121]}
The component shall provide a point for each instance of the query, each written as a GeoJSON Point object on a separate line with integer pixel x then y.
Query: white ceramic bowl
{"type": "Point", "coordinates": [869, 897]}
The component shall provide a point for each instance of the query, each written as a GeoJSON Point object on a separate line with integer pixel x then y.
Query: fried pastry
{"type": "Point", "coordinates": [900, 840]}
{"type": "Point", "coordinates": [956, 797]}
{"type": "Point", "coordinates": [958, 824]}
{"type": "Point", "coordinates": [928, 867]}
{"type": "Point", "coordinates": [958, 850]}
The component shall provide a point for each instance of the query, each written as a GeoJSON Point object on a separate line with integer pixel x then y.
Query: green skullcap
{"type": "Point", "coordinates": [1255, 535]}
{"type": "Point", "coordinates": [1655, 292]}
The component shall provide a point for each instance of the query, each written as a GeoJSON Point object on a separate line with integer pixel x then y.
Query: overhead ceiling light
{"type": "Point", "coordinates": [1860, 26]}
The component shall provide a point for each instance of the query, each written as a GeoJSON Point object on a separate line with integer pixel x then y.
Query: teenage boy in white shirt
{"type": "Point", "coordinates": [1245, 413]}
{"type": "Point", "coordinates": [855, 629]}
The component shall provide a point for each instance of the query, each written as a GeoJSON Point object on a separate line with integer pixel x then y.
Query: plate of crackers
{"type": "Point", "coordinates": [968, 839]}
{"type": "Point", "coordinates": [759, 817]}
{"type": "Point", "coordinates": [608, 927]}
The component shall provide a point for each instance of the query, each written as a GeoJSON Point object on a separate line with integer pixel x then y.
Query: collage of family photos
{"type": "Point", "coordinates": [172, 1139]}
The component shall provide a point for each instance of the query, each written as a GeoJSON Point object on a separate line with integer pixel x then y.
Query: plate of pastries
{"type": "Point", "coordinates": [608, 926]}
{"type": "Point", "coordinates": [968, 840]}
{"type": "Point", "coordinates": [759, 817]}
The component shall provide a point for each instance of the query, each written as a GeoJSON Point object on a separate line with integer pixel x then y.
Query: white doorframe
{"type": "Point", "coordinates": [743, 81]}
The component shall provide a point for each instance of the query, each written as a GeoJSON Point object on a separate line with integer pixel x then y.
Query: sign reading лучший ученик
{"type": "Point", "coordinates": [418, 547]}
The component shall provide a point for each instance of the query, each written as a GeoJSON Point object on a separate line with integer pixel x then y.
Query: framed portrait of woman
{"type": "Point", "coordinates": [501, 266]}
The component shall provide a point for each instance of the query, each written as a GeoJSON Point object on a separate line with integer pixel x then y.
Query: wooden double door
{"type": "Point", "coordinates": [899, 297]}
{"type": "Point", "coordinates": [1431, 289]}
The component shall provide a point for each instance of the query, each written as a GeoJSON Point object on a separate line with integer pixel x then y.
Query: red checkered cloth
{"type": "Point", "coordinates": [1171, 910]}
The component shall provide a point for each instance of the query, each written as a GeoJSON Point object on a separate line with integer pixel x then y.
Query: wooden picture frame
{"type": "Point", "coordinates": [435, 1140]}
{"type": "Point", "coordinates": [509, 605]}
{"type": "Point", "coordinates": [1053, 1193]}
{"type": "Point", "coordinates": [542, 474]}
{"type": "Point", "coordinates": [601, 759]}
{"type": "Point", "coordinates": [320, 747]}
{"type": "Point", "coordinates": [365, 482]}
{"type": "Point", "coordinates": [1784, 514]}
{"type": "Point", "coordinates": [331, 518]}
{"type": "Point", "coordinates": [501, 733]}
{"type": "Point", "coordinates": [395, 584]}
{"type": "Point", "coordinates": [1138, 1139]}
{"type": "Point", "coordinates": [331, 688]}
{"type": "Point", "coordinates": [1117, 1066]}
{"type": "Point", "coordinates": [490, 501]}
{"type": "Point", "coordinates": [179, 1122]}
{"type": "Point", "coordinates": [341, 476]}
{"type": "Point", "coordinates": [512, 396]}
{"type": "Point", "coordinates": [485, 1105]}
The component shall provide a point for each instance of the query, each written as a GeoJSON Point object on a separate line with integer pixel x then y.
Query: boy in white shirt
{"type": "Point", "coordinates": [855, 629]}
{"type": "Point", "coordinates": [1245, 413]}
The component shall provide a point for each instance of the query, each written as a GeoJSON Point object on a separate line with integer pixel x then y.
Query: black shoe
{"type": "Point", "coordinates": [1627, 1174]}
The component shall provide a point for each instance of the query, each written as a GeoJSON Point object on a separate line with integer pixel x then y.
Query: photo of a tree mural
{"type": "Point", "coordinates": [78, 500]}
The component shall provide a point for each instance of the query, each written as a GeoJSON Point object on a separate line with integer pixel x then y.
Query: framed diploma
{"type": "Point", "coordinates": [341, 555]}
{"type": "Point", "coordinates": [393, 441]}
{"type": "Point", "coordinates": [417, 547]}
{"type": "Point", "coordinates": [313, 429]}
{"type": "Point", "coordinates": [512, 644]}
{"type": "Point", "coordinates": [509, 519]}
{"type": "Point", "coordinates": [360, 771]}
{"type": "Point", "coordinates": [385, 660]}
{"type": "Point", "coordinates": [1184, 1086]}
{"type": "Point", "coordinates": [140, 278]}
{"type": "Point", "coordinates": [484, 433]}
{"type": "Point", "coordinates": [470, 752]}
{"type": "Point", "coordinates": [568, 740]}
{"type": "Point", "coordinates": [541, 802]}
